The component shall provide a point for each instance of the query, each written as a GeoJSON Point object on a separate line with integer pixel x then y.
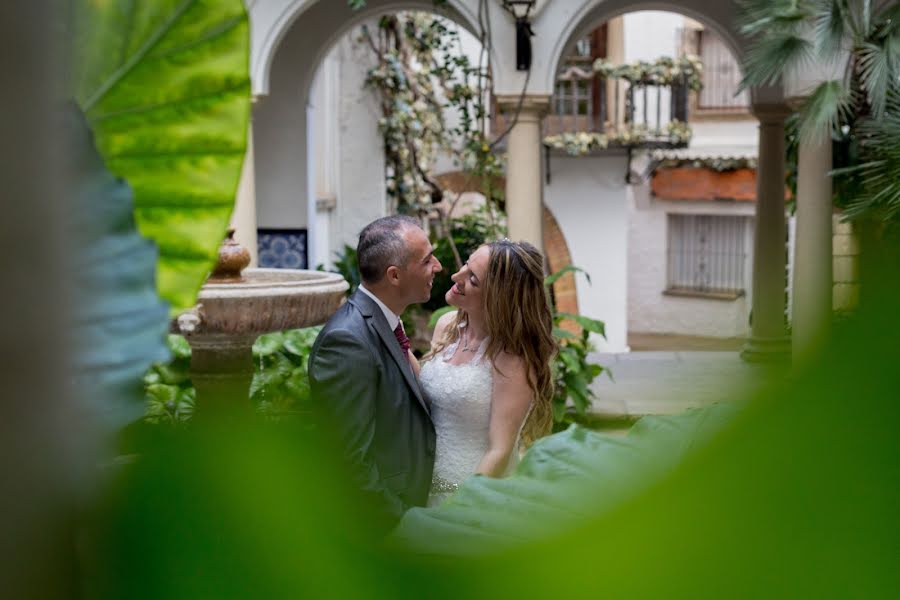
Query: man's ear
{"type": "Point", "coordinates": [392, 275]}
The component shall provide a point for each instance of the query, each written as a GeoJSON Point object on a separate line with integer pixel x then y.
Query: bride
{"type": "Point", "coordinates": [488, 372]}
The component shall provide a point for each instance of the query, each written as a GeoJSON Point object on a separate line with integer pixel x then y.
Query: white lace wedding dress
{"type": "Point", "coordinates": [461, 409]}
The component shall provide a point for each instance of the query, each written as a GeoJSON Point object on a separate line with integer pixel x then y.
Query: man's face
{"type": "Point", "coordinates": [418, 274]}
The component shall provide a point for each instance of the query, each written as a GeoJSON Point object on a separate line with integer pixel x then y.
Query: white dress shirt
{"type": "Point", "coordinates": [392, 319]}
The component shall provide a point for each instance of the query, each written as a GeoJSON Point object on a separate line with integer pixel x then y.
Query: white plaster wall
{"type": "Point", "coordinates": [587, 195]}
{"type": "Point", "coordinates": [649, 310]}
{"type": "Point", "coordinates": [727, 133]}
{"type": "Point", "coordinates": [361, 196]}
{"type": "Point", "coordinates": [279, 136]}
{"type": "Point", "coordinates": [650, 34]}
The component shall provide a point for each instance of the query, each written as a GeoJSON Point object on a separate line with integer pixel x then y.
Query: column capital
{"type": "Point", "coordinates": [771, 113]}
{"type": "Point", "coordinates": [532, 104]}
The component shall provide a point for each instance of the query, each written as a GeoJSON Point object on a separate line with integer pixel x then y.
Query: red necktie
{"type": "Point", "coordinates": [402, 339]}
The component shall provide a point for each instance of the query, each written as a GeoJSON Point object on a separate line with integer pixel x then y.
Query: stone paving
{"type": "Point", "coordinates": [659, 383]}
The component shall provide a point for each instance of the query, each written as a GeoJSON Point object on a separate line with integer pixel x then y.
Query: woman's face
{"type": "Point", "coordinates": [468, 282]}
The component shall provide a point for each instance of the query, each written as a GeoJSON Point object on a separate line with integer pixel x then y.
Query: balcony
{"type": "Point", "coordinates": [634, 106]}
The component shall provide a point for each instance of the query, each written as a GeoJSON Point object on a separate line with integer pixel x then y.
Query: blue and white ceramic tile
{"type": "Point", "coordinates": [282, 248]}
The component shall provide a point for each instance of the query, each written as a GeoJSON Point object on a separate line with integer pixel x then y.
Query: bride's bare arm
{"type": "Point", "coordinates": [511, 398]}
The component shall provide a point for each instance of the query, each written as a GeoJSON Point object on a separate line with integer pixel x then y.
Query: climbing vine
{"type": "Point", "coordinates": [433, 98]}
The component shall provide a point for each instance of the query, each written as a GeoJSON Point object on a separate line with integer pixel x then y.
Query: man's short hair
{"type": "Point", "coordinates": [382, 244]}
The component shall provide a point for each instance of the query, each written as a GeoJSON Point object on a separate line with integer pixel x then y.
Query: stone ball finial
{"type": "Point", "coordinates": [233, 258]}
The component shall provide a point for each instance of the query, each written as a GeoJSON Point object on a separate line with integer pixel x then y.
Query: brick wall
{"type": "Point", "coordinates": [558, 257]}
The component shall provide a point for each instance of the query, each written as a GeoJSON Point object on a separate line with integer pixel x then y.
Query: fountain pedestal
{"type": "Point", "coordinates": [236, 306]}
{"type": "Point", "coordinates": [222, 369]}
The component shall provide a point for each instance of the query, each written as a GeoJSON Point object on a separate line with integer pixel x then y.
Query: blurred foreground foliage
{"type": "Point", "coordinates": [792, 495]}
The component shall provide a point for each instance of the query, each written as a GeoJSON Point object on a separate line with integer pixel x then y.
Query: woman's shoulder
{"type": "Point", "coordinates": [510, 366]}
{"type": "Point", "coordinates": [443, 323]}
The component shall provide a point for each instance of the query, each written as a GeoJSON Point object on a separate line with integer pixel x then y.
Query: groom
{"type": "Point", "coordinates": [361, 377]}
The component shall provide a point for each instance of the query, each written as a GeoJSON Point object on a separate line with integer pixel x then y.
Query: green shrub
{"type": "Point", "coordinates": [572, 372]}
{"type": "Point", "coordinates": [280, 386]}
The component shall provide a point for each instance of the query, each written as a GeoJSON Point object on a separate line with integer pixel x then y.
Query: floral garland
{"type": "Point", "coordinates": [585, 142]}
{"type": "Point", "coordinates": [687, 69]}
{"type": "Point", "coordinates": [713, 163]}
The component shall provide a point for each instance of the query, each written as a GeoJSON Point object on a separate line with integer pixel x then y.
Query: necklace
{"type": "Point", "coordinates": [465, 346]}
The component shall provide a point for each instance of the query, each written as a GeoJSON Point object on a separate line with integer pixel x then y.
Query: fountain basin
{"type": "Point", "coordinates": [263, 301]}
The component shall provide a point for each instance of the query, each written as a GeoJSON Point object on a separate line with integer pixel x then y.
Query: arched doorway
{"type": "Point", "coordinates": [305, 73]}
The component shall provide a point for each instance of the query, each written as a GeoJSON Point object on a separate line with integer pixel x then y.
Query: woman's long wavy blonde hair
{"type": "Point", "coordinates": [518, 321]}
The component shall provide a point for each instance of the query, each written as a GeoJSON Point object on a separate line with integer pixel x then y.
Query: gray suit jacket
{"type": "Point", "coordinates": [366, 388]}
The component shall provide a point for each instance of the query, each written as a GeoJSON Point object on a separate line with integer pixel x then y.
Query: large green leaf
{"type": "Point", "coordinates": [553, 277]}
{"type": "Point", "coordinates": [119, 321]}
{"type": "Point", "coordinates": [165, 86]}
{"type": "Point", "coordinates": [561, 480]}
{"type": "Point", "coordinates": [592, 325]}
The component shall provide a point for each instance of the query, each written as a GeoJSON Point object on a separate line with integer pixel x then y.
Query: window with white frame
{"type": "Point", "coordinates": [707, 254]}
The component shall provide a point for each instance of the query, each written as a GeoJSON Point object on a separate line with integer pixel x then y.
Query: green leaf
{"type": "Point", "coordinates": [561, 479]}
{"type": "Point", "coordinates": [830, 28]}
{"type": "Point", "coordinates": [586, 323]}
{"type": "Point", "coordinates": [595, 369]}
{"type": "Point", "coordinates": [559, 411]}
{"type": "Point", "coordinates": [268, 344]}
{"type": "Point", "coordinates": [298, 343]}
{"type": "Point", "coordinates": [179, 346]}
{"type": "Point", "coordinates": [171, 374]}
{"type": "Point", "coordinates": [165, 86]}
{"type": "Point", "coordinates": [572, 363]}
{"type": "Point", "coordinates": [118, 320]}
{"type": "Point", "coordinates": [553, 277]}
{"type": "Point", "coordinates": [297, 385]}
{"type": "Point", "coordinates": [880, 195]}
{"type": "Point", "coordinates": [878, 66]}
{"type": "Point", "coordinates": [770, 57]}
{"type": "Point", "coordinates": [826, 108]}
{"type": "Point", "coordinates": [161, 393]}
{"type": "Point", "coordinates": [561, 334]}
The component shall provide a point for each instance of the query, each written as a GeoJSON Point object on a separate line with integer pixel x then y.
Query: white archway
{"type": "Point", "coordinates": [272, 20]}
{"type": "Point", "coordinates": [290, 40]}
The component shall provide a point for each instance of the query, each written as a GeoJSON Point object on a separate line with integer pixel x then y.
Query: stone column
{"type": "Point", "coordinates": [243, 219]}
{"type": "Point", "coordinates": [768, 340]}
{"type": "Point", "coordinates": [615, 53]}
{"type": "Point", "coordinates": [812, 290]}
{"type": "Point", "coordinates": [524, 183]}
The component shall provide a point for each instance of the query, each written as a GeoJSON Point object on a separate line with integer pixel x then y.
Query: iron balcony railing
{"type": "Point", "coordinates": [617, 112]}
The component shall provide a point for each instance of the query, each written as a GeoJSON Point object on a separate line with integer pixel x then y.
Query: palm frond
{"type": "Point", "coordinates": [830, 104]}
{"type": "Point", "coordinates": [887, 18]}
{"type": "Point", "coordinates": [770, 56]}
{"type": "Point", "coordinates": [876, 72]}
{"type": "Point", "coordinates": [775, 22]}
{"type": "Point", "coordinates": [771, 17]}
{"type": "Point", "coordinates": [880, 197]}
{"type": "Point", "coordinates": [830, 28]}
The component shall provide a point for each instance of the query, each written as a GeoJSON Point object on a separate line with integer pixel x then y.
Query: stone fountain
{"type": "Point", "coordinates": [235, 306]}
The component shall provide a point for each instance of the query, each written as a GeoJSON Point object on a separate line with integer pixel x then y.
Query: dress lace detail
{"type": "Point", "coordinates": [461, 409]}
